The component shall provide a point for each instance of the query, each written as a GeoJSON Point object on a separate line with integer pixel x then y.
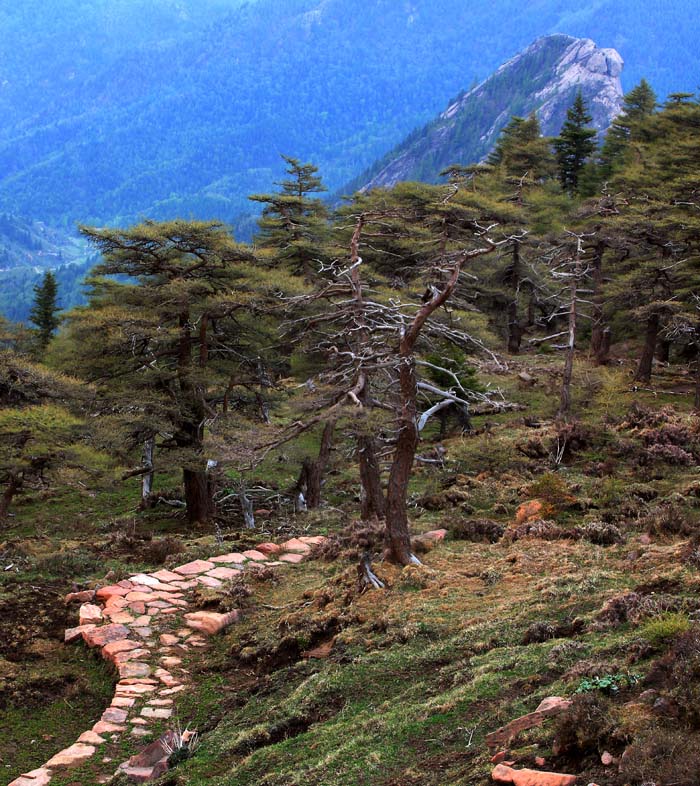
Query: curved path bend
{"type": "Point", "coordinates": [146, 627]}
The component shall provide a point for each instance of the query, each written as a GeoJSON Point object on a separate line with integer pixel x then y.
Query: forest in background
{"type": "Point", "coordinates": [115, 111]}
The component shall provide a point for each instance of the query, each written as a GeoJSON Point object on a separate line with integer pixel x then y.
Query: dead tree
{"type": "Point", "coordinates": [569, 270]}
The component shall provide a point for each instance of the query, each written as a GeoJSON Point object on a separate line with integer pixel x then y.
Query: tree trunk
{"type": "Point", "coordinates": [246, 507]}
{"type": "Point", "coordinates": [663, 350]}
{"type": "Point", "coordinates": [372, 503]}
{"type": "Point", "coordinates": [696, 404]}
{"type": "Point", "coordinates": [149, 447]}
{"type": "Point", "coordinates": [600, 333]}
{"type": "Point", "coordinates": [515, 331]}
{"type": "Point", "coordinates": [199, 496]}
{"type": "Point", "coordinates": [308, 487]}
{"type": "Point", "coordinates": [643, 373]}
{"type": "Point", "coordinates": [398, 539]}
{"type": "Point", "coordinates": [565, 398]}
{"type": "Point", "coordinates": [13, 486]}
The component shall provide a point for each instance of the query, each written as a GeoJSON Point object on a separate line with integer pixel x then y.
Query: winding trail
{"type": "Point", "coordinates": [146, 627]}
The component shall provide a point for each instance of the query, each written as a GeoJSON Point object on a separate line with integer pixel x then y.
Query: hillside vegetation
{"type": "Point", "coordinates": [507, 361]}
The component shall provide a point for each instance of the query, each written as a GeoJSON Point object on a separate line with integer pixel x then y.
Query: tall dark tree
{"type": "Point", "coordinates": [169, 349]}
{"type": "Point", "coordinates": [639, 104]}
{"type": "Point", "coordinates": [574, 145]}
{"type": "Point", "coordinates": [44, 313]}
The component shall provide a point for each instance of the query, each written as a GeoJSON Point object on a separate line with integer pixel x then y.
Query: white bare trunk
{"type": "Point", "coordinates": [149, 447]}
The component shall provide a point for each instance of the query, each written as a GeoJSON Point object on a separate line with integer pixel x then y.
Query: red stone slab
{"type": "Point", "coordinates": [293, 559]}
{"type": "Point", "coordinates": [194, 567]}
{"type": "Point", "coordinates": [98, 637]}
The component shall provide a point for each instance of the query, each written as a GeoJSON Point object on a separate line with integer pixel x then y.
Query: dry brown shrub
{"type": "Point", "coordinates": [476, 530]}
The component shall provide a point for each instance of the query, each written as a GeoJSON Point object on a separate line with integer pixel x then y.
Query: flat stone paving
{"type": "Point", "coordinates": [145, 628]}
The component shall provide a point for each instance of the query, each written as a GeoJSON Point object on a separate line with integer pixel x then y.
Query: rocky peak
{"type": "Point", "coordinates": [544, 78]}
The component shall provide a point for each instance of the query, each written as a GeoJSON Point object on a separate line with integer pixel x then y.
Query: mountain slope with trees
{"type": "Point", "coordinates": [544, 79]}
{"type": "Point", "coordinates": [510, 359]}
{"type": "Point", "coordinates": [166, 109]}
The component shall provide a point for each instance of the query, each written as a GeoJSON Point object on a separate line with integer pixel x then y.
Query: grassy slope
{"type": "Point", "coordinates": [419, 674]}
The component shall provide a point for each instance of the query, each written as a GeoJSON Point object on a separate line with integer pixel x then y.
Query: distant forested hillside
{"type": "Point", "coordinates": [115, 109]}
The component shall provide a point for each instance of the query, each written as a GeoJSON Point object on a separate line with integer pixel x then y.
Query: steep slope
{"type": "Point", "coordinates": [119, 108]}
{"type": "Point", "coordinates": [542, 79]}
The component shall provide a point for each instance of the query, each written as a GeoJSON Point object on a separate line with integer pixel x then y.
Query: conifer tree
{"type": "Point", "coordinates": [168, 349]}
{"type": "Point", "coordinates": [574, 145]}
{"type": "Point", "coordinates": [45, 309]}
{"type": "Point", "coordinates": [639, 104]}
{"type": "Point", "coordinates": [293, 226]}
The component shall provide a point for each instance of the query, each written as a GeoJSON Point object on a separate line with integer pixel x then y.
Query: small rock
{"type": "Point", "coordinates": [98, 637]}
{"type": "Point", "coordinates": [258, 556]}
{"type": "Point", "coordinates": [553, 705]}
{"type": "Point", "coordinates": [73, 634]}
{"type": "Point", "coordinates": [293, 559]}
{"type": "Point", "coordinates": [223, 573]}
{"type": "Point", "coordinates": [209, 581]}
{"type": "Point", "coordinates": [114, 715]}
{"type": "Point", "coordinates": [296, 545]}
{"type": "Point", "coordinates": [268, 548]}
{"type": "Point", "coordinates": [86, 596]}
{"type": "Point", "coordinates": [115, 647]}
{"type": "Point", "coordinates": [437, 534]}
{"type": "Point", "coordinates": [210, 622]}
{"type": "Point", "coordinates": [156, 712]}
{"type": "Point", "coordinates": [134, 669]}
{"type": "Point", "coordinates": [504, 774]}
{"type": "Point", "coordinates": [90, 614]}
{"type": "Point", "coordinates": [234, 558]}
{"type": "Point", "coordinates": [71, 756]}
{"type": "Point", "coordinates": [607, 759]}
{"type": "Point", "coordinates": [40, 777]}
{"type": "Point", "coordinates": [91, 738]}
{"type": "Point", "coordinates": [104, 593]}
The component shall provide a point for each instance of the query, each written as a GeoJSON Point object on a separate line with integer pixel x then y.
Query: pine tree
{"type": "Point", "coordinates": [45, 309]}
{"type": "Point", "coordinates": [639, 104]}
{"type": "Point", "coordinates": [293, 225]}
{"type": "Point", "coordinates": [574, 145]}
{"type": "Point", "coordinates": [172, 347]}
{"type": "Point", "coordinates": [522, 152]}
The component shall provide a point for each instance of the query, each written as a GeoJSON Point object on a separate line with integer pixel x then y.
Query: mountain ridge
{"type": "Point", "coordinates": [553, 68]}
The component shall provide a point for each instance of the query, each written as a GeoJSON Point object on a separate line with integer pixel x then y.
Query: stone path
{"type": "Point", "coordinates": [144, 627]}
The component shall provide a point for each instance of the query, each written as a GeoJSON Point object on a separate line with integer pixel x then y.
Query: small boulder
{"type": "Point", "coordinates": [210, 622]}
{"type": "Point", "coordinates": [90, 614]}
{"type": "Point", "coordinates": [86, 596]}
